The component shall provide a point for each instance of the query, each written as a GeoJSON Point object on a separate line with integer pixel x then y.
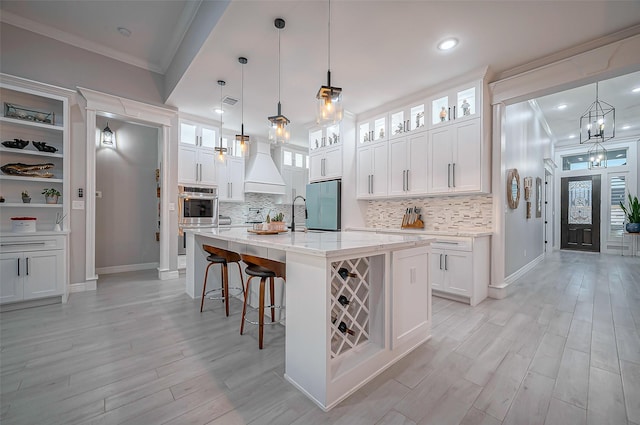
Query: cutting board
{"type": "Point", "coordinates": [266, 232]}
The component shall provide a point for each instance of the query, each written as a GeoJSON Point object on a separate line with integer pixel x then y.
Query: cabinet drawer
{"type": "Point", "coordinates": [31, 243]}
{"type": "Point", "coordinates": [457, 244]}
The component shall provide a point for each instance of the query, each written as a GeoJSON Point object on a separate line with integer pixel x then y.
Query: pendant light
{"type": "Point", "coordinates": [278, 131]}
{"type": "Point", "coordinates": [220, 149]}
{"type": "Point", "coordinates": [598, 123]}
{"type": "Point", "coordinates": [329, 105]}
{"type": "Point", "coordinates": [241, 137]}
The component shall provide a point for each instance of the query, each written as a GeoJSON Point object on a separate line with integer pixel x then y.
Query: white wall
{"type": "Point", "coordinates": [127, 212]}
{"type": "Point", "coordinates": [527, 144]}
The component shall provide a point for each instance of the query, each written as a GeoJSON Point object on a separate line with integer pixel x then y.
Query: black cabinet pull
{"type": "Point", "coordinates": [18, 267]}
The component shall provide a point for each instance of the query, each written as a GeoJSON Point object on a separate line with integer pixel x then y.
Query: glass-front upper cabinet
{"type": "Point", "coordinates": [407, 119]}
{"type": "Point", "coordinates": [197, 135]}
{"type": "Point", "coordinates": [373, 130]}
{"type": "Point", "coordinates": [461, 103]}
{"type": "Point", "coordinates": [323, 137]}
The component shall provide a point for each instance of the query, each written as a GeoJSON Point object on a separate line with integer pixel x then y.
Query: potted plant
{"type": "Point", "coordinates": [632, 213]}
{"type": "Point", "coordinates": [51, 195]}
{"type": "Point", "coordinates": [25, 197]}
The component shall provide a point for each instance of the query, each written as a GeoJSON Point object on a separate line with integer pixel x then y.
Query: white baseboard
{"type": "Point", "coordinates": [83, 286]}
{"type": "Point", "coordinates": [127, 268]}
{"type": "Point", "coordinates": [168, 274]}
{"type": "Point", "coordinates": [500, 291]}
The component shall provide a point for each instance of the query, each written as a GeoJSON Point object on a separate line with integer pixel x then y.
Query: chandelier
{"type": "Point", "coordinates": [598, 123]}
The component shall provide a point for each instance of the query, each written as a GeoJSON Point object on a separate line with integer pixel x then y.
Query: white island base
{"type": "Point", "coordinates": [388, 314]}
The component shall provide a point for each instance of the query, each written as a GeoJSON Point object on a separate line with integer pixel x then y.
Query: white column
{"type": "Point", "coordinates": [90, 199]}
{"type": "Point", "coordinates": [498, 181]}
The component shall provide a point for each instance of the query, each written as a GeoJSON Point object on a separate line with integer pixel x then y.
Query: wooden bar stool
{"type": "Point", "coordinates": [262, 268]}
{"type": "Point", "coordinates": [222, 257]}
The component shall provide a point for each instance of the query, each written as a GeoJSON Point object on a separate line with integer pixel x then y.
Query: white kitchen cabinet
{"type": "Point", "coordinates": [408, 165]}
{"type": "Point", "coordinates": [373, 130]}
{"type": "Point", "coordinates": [230, 178]}
{"type": "Point", "coordinates": [196, 154]}
{"type": "Point", "coordinates": [372, 170]}
{"type": "Point", "coordinates": [324, 137]}
{"type": "Point", "coordinates": [457, 104]}
{"type": "Point", "coordinates": [325, 164]}
{"type": "Point", "coordinates": [32, 267]}
{"type": "Point", "coordinates": [411, 295]}
{"type": "Point", "coordinates": [295, 180]}
{"type": "Point", "coordinates": [456, 158]}
{"type": "Point", "coordinates": [459, 268]}
{"type": "Point", "coordinates": [408, 119]}
{"type": "Point", "coordinates": [196, 166]}
{"type": "Point", "coordinates": [199, 135]}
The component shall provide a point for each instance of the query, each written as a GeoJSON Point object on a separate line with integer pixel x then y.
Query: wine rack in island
{"type": "Point", "coordinates": [349, 304]}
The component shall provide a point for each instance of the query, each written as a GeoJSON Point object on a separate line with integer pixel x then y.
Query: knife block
{"type": "Point", "coordinates": [418, 224]}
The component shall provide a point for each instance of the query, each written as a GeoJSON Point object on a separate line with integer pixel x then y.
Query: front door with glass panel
{"type": "Point", "coordinates": [580, 211]}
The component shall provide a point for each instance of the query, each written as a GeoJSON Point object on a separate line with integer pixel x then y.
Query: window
{"type": "Point", "coordinates": [617, 188]}
{"type": "Point", "coordinates": [294, 159]}
{"type": "Point", "coordinates": [615, 158]}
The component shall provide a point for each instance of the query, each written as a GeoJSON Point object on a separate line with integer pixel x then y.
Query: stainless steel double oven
{"type": "Point", "coordinates": [197, 208]}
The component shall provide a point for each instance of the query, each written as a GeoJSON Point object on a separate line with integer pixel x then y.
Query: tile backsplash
{"type": "Point", "coordinates": [439, 214]}
{"type": "Point", "coordinates": [239, 211]}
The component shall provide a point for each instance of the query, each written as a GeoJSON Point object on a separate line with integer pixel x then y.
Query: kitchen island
{"type": "Point", "coordinates": [356, 302]}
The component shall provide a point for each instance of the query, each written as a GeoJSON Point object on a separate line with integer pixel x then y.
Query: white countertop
{"type": "Point", "coordinates": [317, 243]}
{"type": "Point", "coordinates": [454, 233]}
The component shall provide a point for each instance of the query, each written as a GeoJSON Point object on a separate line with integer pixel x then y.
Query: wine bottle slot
{"type": "Point", "coordinates": [344, 273]}
{"type": "Point", "coordinates": [343, 300]}
{"type": "Point", "coordinates": [342, 327]}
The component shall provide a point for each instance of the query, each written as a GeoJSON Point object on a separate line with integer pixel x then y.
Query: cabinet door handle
{"type": "Point", "coordinates": [404, 180]}
{"type": "Point", "coordinates": [448, 175]}
{"type": "Point", "coordinates": [18, 267]}
{"type": "Point", "coordinates": [370, 183]}
{"type": "Point", "coordinates": [449, 114]}
{"type": "Point", "coordinates": [446, 267]}
{"type": "Point", "coordinates": [454, 113]}
{"type": "Point", "coordinates": [453, 174]}
{"type": "Point", "coordinates": [230, 190]}
{"type": "Point", "coordinates": [440, 261]}
{"type": "Point", "coordinates": [22, 243]}
{"type": "Point", "coordinates": [27, 266]}
{"type": "Point", "coordinates": [407, 180]}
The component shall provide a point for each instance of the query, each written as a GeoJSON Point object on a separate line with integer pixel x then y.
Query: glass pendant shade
{"type": "Point", "coordinates": [329, 108]}
{"type": "Point", "coordinates": [598, 123]}
{"type": "Point", "coordinates": [597, 156]}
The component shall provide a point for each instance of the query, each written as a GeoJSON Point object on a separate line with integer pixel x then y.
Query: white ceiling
{"type": "Point", "coordinates": [381, 50]}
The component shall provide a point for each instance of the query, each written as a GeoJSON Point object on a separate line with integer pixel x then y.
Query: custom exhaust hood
{"type": "Point", "coordinates": [262, 175]}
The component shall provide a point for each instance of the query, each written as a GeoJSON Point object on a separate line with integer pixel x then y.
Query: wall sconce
{"type": "Point", "coordinates": [108, 137]}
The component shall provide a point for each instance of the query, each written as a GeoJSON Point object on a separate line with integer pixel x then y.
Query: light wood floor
{"type": "Point", "coordinates": [564, 348]}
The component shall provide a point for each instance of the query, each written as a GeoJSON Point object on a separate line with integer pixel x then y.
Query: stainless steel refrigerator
{"type": "Point", "coordinates": [323, 205]}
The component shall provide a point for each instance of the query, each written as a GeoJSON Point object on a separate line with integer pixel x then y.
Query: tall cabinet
{"type": "Point", "coordinates": [196, 154]}
{"type": "Point", "coordinates": [35, 124]}
{"type": "Point", "coordinates": [325, 153]}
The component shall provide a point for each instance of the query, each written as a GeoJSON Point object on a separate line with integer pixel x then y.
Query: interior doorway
{"type": "Point", "coordinates": [127, 202]}
{"type": "Point", "coordinates": [580, 213]}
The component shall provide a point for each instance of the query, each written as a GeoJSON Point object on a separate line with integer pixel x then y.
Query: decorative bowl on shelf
{"type": "Point", "coordinates": [20, 112]}
{"type": "Point", "coordinates": [15, 143]}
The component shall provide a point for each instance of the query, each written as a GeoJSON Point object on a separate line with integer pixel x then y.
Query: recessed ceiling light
{"type": "Point", "coordinates": [620, 155]}
{"type": "Point", "coordinates": [636, 90]}
{"type": "Point", "coordinates": [572, 136]}
{"type": "Point", "coordinates": [124, 31]}
{"type": "Point", "coordinates": [561, 107]}
{"type": "Point", "coordinates": [219, 111]}
{"type": "Point", "coordinates": [448, 44]}
{"type": "Point", "coordinates": [626, 127]}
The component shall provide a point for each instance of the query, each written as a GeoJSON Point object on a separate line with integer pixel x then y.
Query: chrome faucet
{"type": "Point", "coordinates": [293, 212]}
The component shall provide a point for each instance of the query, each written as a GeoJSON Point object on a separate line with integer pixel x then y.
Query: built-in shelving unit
{"type": "Point", "coordinates": [34, 265]}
